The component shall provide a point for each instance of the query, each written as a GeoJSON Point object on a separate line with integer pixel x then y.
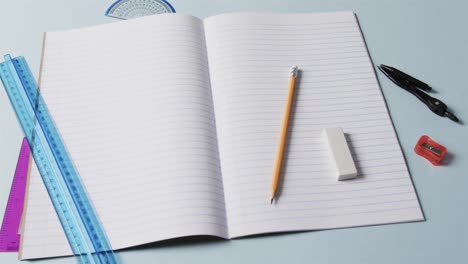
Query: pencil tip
{"type": "Point", "coordinates": [271, 202]}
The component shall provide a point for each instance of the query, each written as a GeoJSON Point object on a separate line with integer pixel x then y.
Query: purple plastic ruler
{"type": "Point", "coordinates": [9, 237]}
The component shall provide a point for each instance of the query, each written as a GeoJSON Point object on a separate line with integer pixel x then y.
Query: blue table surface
{"type": "Point", "coordinates": [428, 39]}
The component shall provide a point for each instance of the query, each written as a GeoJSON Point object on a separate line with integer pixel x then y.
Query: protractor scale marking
{"type": "Point", "coordinates": [127, 9]}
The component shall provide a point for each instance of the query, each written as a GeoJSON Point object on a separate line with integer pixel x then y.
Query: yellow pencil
{"type": "Point", "coordinates": [283, 134]}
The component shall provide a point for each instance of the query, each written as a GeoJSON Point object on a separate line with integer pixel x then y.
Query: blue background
{"type": "Point", "coordinates": [428, 39]}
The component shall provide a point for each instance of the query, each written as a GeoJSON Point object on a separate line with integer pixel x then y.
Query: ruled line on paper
{"type": "Point", "coordinates": [142, 136]}
{"type": "Point", "coordinates": [337, 87]}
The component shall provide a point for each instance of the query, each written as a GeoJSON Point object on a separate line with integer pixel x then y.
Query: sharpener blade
{"type": "Point", "coordinates": [432, 149]}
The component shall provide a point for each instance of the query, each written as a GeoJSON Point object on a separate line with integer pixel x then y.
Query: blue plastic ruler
{"type": "Point", "coordinates": [127, 9]}
{"type": "Point", "coordinates": [67, 193]}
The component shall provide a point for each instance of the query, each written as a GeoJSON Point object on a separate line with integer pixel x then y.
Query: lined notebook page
{"type": "Point", "coordinates": [132, 101]}
{"type": "Point", "coordinates": [250, 56]}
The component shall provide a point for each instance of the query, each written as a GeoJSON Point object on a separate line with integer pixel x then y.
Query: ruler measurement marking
{"type": "Point", "coordinates": [9, 237]}
{"type": "Point", "coordinates": [76, 214]}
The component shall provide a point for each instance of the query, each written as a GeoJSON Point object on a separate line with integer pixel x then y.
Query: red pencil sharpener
{"type": "Point", "coordinates": [430, 150]}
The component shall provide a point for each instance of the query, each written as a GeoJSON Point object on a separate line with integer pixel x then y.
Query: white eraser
{"type": "Point", "coordinates": [340, 153]}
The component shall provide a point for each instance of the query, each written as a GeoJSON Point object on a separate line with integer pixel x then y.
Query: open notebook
{"type": "Point", "coordinates": [173, 122]}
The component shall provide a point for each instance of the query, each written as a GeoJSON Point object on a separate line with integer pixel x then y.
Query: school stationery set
{"type": "Point", "coordinates": [168, 126]}
{"type": "Point", "coordinates": [73, 207]}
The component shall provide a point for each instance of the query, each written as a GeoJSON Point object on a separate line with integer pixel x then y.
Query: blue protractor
{"type": "Point", "coordinates": [72, 204]}
{"type": "Point", "coordinates": [127, 9]}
